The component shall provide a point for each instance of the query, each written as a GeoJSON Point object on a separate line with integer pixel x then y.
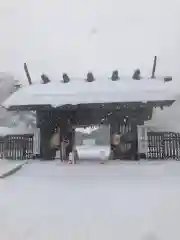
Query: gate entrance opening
{"type": "Point", "coordinates": [93, 143]}
{"type": "Point", "coordinates": [124, 128]}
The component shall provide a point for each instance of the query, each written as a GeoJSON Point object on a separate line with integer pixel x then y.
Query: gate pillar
{"type": "Point", "coordinates": [118, 149]}
{"type": "Point", "coordinates": [66, 135]}
{"type": "Point", "coordinates": [134, 145]}
{"type": "Point", "coordinates": [46, 124]}
{"type": "Point", "coordinates": [114, 130]}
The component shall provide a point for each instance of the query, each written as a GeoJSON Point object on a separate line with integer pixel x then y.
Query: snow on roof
{"type": "Point", "coordinates": [100, 91]}
{"type": "Point", "coordinates": [166, 119]}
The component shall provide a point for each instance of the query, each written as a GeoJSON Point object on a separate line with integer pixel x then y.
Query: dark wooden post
{"type": "Point", "coordinates": [73, 146]}
{"type": "Point", "coordinates": [154, 67]}
{"type": "Point", "coordinates": [114, 129]}
{"type": "Point", "coordinates": [46, 124]}
{"type": "Point", "coordinates": [134, 146]}
{"type": "Point", "coordinates": [63, 135]}
{"type": "Point", "coordinates": [27, 74]}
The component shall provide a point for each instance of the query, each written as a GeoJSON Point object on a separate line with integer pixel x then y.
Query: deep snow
{"type": "Point", "coordinates": [47, 200]}
{"type": "Point", "coordinates": [93, 152]}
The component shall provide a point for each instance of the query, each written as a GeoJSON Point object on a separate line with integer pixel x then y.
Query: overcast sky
{"type": "Point", "coordinates": [81, 35]}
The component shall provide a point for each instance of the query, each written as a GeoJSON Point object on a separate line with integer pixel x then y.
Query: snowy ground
{"type": "Point", "coordinates": [7, 166]}
{"type": "Point", "coordinates": [46, 200]}
{"type": "Point", "coordinates": [93, 152]}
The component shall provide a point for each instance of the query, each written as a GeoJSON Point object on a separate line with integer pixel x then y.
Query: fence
{"type": "Point", "coordinates": [17, 147]}
{"type": "Point", "coordinates": [160, 145]}
{"type": "Point", "coordinates": [163, 145]}
{"type": "Point", "coordinates": [124, 129]}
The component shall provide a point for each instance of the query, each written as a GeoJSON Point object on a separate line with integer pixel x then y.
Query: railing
{"type": "Point", "coordinates": [17, 147]}
{"type": "Point", "coordinates": [163, 145]}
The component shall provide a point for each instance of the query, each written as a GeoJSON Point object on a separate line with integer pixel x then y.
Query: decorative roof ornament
{"type": "Point", "coordinates": [27, 74]}
{"type": "Point", "coordinates": [167, 79]}
{"type": "Point", "coordinates": [45, 79]}
{"type": "Point", "coordinates": [115, 75]}
{"type": "Point", "coordinates": [66, 78]}
{"type": "Point", "coordinates": [90, 77]}
{"type": "Point", "coordinates": [137, 74]}
{"type": "Point", "coordinates": [154, 68]}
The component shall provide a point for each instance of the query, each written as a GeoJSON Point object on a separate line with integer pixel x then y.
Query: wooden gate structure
{"type": "Point", "coordinates": [90, 101]}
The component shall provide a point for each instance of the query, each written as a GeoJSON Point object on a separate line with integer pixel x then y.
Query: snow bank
{"type": "Point", "coordinates": [4, 131]}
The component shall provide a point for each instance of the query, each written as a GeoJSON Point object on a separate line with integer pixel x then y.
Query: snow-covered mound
{"type": "Point", "coordinates": [20, 130]}
{"type": "Point", "coordinates": [86, 152]}
{"type": "Point", "coordinates": [7, 87]}
{"type": "Point", "coordinates": [167, 119]}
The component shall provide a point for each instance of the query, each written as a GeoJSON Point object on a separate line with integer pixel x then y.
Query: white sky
{"type": "Point", "coordinates": [80, 35]}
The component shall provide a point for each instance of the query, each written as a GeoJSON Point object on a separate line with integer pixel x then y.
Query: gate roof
{"type": "Point", "coordinates": [100, 91]}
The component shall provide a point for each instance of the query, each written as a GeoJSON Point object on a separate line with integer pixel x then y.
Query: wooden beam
{"type": "Point", "coordinates": [154, 67]}
{"type": "Point", "coordinates": [27, 74]}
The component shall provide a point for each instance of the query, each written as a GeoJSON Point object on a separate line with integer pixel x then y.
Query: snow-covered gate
{"type": "Point", "coordinates": [163, 145]}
